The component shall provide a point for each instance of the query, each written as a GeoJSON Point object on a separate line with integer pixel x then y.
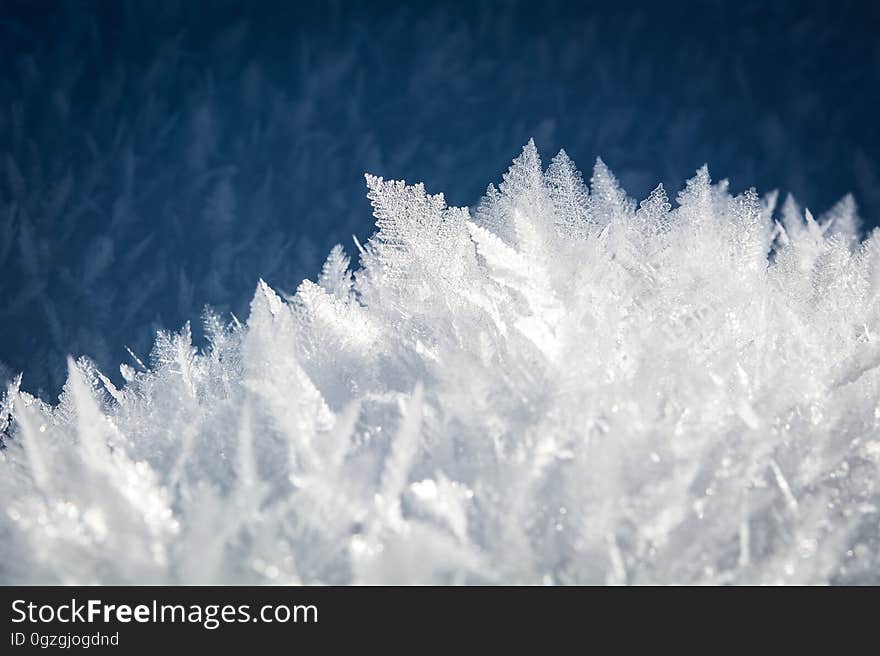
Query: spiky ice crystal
{"type": "Point", "coordinates": [561, 386]}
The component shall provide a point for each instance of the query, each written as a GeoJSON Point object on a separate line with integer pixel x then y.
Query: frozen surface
{"type": "Point", "coordinates": [559, 386]}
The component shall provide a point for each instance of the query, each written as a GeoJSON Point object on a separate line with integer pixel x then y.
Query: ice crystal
{"type": "Point", "coordinates": [563, 385]}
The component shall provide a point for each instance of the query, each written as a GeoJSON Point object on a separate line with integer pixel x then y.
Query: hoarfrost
{"type": "Point", "coordinates": [563, 386]}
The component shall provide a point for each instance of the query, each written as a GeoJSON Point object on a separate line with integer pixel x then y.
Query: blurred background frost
{"type": "Point", "coordinates": [159, 156]}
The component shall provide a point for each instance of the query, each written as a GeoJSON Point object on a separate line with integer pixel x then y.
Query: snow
{"type": "Point", "coordinates": [562, 385]}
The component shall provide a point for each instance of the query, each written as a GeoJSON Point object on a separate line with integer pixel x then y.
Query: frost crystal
{"type": "Point", "coordinates": [565, 386]}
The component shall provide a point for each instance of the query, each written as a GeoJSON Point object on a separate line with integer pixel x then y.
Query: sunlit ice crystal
{"type": "Point", "coordinates": [561, 385]}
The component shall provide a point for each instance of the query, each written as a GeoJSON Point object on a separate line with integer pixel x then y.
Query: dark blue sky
{"type": "Point", "coordinates": [160, 156]}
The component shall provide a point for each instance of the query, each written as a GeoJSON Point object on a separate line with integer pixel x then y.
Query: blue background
{"type": "Point", "coordinates": [159, 156]}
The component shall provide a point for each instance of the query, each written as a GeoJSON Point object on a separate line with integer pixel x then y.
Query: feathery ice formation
{"type": "Point", "coordinates": [561, 386]}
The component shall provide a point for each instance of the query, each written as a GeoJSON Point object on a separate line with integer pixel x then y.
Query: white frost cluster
{"type": "Point", "coordinates": [562, 386]}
